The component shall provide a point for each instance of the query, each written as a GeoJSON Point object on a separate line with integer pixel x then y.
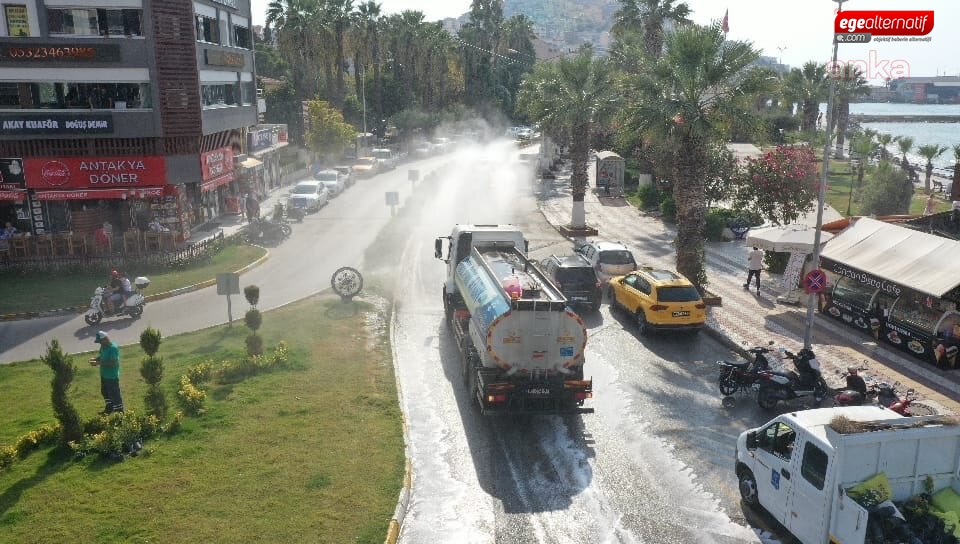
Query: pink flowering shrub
{"type": "Point", "coordinates": [779, 186]}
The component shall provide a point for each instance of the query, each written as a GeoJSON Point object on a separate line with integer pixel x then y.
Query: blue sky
{"type": "Point", "coordinates": [803, 28]}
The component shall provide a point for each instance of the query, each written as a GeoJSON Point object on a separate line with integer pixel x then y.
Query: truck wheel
{"type": "Point", "coordinates": [748, 488]}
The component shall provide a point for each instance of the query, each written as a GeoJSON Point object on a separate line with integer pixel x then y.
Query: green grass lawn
{"type": "Point", "coordinates": [37, 291]}
{"type": "Point", "coordinates": [308, 453]}
{"type": "Point", "coordinates": [840, 181]}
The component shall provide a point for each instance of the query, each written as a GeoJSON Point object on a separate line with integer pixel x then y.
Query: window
{"type": "Point", "coordinates": [643, 285]}
{"type": "Point", "coordinates": [207, 29]}
{"type": "Point", "coordinates": [616, 256]}
{"type": "Point", "coordinates": [9, 95]}
{"type": "Point", "coordinates": [631, 280]}
{"type": "Point", "coordinates": [777, 439]}
{"type": "Point", "coordinates": [854, 293]}
{"type": "Point", "coordinates": [241, 37]}
{"type": "Point", "coordinates": [18, 20]}
{"type": "Point", "coordinates": [96, 96]}
{"type": "Point", "coordinates": [814, 467]}
{"type": "Point", "coordinates": [94, 22]}
{"type": "Point", "coordinates": [678, 294]}
{"type": "Point", "coordinates": [247, 93]}
{"type": "Point", "coordinates": [220, 94]}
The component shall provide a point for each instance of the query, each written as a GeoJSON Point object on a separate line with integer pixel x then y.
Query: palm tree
{"type": "Point", "coordinates": [627, 19]}
{"type": "Point", "coordinates": [850, 85]}
{"type": "Point", "coordinates": [930, 152]}
{"type": "Point", "coordinates": [807, 87]}
{"type": "Point", "coordinates": [568, 98]}
{"type": "Point", "coordinates": [292, 23]}
{"type": "Point", "coordinates": [904, 145]}
{"type": "Point", "coordinates": [884, 140]}
{"type": "Point", "coordinates": [686, 99]}
{"type": "Point", "coordinates": [655, 14]}
{"type": "Point", "coordinates": [339, 15]}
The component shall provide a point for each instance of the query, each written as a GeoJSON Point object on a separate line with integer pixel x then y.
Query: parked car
{"type": "Point", "coordinates": [346, 174]}
{"type": "Point", "coordinates": [609, 259]}
{"type": "Point", "coordinates": [441, 145]}
{"type": "Point", "coordinates": [576, 279]}
{"type": "Point", "coordinates": [423, 149]}
{"type": "Point", "coordinates": [309, 195]}
{"type": "Point", "coordinates": [659, 300]}
{"type": "Point", "coordinates": [366, 167]}
{"type": "Point", "coordinates": [388, 159]}
{"type": "Point", "coordinates": [331, 179]}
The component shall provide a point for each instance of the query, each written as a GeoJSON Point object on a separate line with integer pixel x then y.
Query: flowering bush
{"type": "Point", "coordinates": [780, 186]}
{"type": "Point", "coordinates": [192, 398]}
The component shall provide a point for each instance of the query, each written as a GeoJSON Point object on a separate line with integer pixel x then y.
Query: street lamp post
{"type": "Point", "coordinates": [822, 193]}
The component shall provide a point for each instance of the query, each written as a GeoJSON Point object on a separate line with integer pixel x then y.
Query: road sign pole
{"type": "Point", "coordinates": [229, 311]}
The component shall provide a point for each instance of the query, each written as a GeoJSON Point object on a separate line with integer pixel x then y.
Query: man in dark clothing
{"type": "Point", "coordinates": [109, 363]}
{"type": "Point", "coordinates": [253, 207]}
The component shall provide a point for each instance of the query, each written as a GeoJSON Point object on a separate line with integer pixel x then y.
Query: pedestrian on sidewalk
{"type": "Point", "coordinates": [253, 207]}
{"type": "Point", "coordinates": [930, 206]}
{"type": "Point", "coordinates": [754, 265]}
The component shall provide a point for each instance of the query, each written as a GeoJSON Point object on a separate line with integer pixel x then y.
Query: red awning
{"type": "Point", "coordinates": [100, 194]}
{"type": "Point", "coordinates": [218, 181]}
{"type": "Point", "coordinates": [16, 196]}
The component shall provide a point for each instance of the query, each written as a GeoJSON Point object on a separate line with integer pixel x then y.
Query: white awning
{"type": "Point", "coordinates": [250, 163]}
{"type": "Point", "coordinates": [916, 260]}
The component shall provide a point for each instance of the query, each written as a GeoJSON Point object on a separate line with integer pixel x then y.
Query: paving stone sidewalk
{"type": "Point", "coordinates": [746, 319]}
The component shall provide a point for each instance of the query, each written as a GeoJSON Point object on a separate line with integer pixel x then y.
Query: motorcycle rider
{"type": "Point", "coordinates": [119, 289]}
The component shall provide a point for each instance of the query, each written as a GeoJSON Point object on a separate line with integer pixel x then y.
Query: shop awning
{"type": "Point", "coordinates": [218, 181]}
{"type": "Point", "coordinates": [16, 196]}
{"type": "Point", "coordinates": [916, 260]}
{"type": "Point", "coordinates": [250, 162]}
{"type": "Point", "coordinates": [100, 194]}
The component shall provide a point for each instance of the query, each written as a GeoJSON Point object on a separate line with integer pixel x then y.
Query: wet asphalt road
{"type": "Point", "coordinates": [652, 464]}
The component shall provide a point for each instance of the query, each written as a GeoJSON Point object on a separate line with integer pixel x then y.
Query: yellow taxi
{"type": "Point", "coordinates": [659, 300]}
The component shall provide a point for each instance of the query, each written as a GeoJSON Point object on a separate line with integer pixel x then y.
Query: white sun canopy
{"type": "Point", "coordinates": [916, 260]}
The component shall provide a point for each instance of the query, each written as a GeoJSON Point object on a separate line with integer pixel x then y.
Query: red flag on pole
{"type": "Point", "coordinates": [726, 22]}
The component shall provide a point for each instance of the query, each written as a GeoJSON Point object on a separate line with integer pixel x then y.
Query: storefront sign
{"type": "Point", "coordinates": [18, 21]}
{"type": "Point", "coordinates": [228, 3]}
{"type": "Point", "coordinates": [55, 123]}
{"type": "Point", "coordinates": [100, 194]}
{"type": "Point", "coordinates": [53, 52]}
{"type": "Point", "coordinates": [216, 163]}
{"type": "Point", "coordinates": [11, 174]}
{"type": "Point", "coordinates": [258, 140]}
{"type": "Point", "coordinates": [16, 196]}
{"type": "Point", "coordinates": [863, 277]}
{"type": "Point", "coordinates": [215, 57]}
{"type": "Point", "coordinates": [106, 172]}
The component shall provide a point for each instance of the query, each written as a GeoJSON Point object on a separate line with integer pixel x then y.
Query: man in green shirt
{"type": "Point", "coordinates": [109, 363]}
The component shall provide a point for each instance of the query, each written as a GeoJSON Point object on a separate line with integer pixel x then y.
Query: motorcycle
{"type": "Point", "coordinates": [776, 386]}
{"type": "Point", "coordinates": [132, 304]}
{"type": "Point", "coordinates": [262, 230]}
{"type": "Point", "coordinates": [887, 396]}
{"type": "Point", "coordinates": [741, 376]}
{"type": "Point", "coordinates": [855, 392]}
{"type": "Point", "coordinates": [296, 212]}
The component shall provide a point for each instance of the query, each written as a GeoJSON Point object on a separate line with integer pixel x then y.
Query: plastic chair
{"type": "Point", "coordinates": [19, 246]}
{"type": "Point", "coordinates": [78, 244]}
{"type": "Point", "coordinates": [45, 245]}
{"type": "Point", "coordinates": [151, 241]}
{"type": "Point", "coordinates": [61, 245]}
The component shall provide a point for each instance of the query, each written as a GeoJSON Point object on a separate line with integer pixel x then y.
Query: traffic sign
{"type": "Point", "coordinates": [815, 281]}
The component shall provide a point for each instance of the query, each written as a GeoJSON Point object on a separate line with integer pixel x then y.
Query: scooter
{"type": "Point", "coordinates": [261, 230]}
{"type": "Point", "coordinates": [132, 305]}
{"type": "Point", "coordinates": [296, 212]}
{"type": "Point", "coordinates": [776, 386]}
{"type": "Point", "coordinates": [742, 376]}
{"type": "Point", "coordinates": [855, 392]}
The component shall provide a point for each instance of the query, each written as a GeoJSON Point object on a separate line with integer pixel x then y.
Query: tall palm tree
{"type": "Point", "coordinates": [686, 99]}
{"type": "Point", "coordinates": [930, 152]}
{"type": "Point", "coordinates": [339, 15]}
{"type": "Point", "coordinates": [568, 98]}
{"type": "Point", "coordinates": [366, 46]}
{"type": "Point", "coordinates": [292, 23]}
{"type": "Point", "coordinates": [850, 85]}
{"type": "Point", "coordinates": [655, 14]}
{"type": "Point", "coordinates": [807, 87]}
{"type": "Point", "coordinates": [627, 19]}
{"type": "Point", "coordinates": [904, 145]}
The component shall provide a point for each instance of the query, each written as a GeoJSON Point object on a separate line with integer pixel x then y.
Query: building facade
{"type": "Point", "coordinates": [123, 112]}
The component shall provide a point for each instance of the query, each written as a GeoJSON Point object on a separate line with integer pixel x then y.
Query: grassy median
{"type": "Point", "coordinates": [39, 291]}
{"type": "Point", "coordinates": [312, 452]}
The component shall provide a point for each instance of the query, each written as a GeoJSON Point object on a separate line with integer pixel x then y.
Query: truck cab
{"type": "Point", "coordinates": [464, 238]}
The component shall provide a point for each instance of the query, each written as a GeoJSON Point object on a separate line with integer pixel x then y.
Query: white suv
{"type": "Point", "coordinates": [388, 161]}
{"type": "Point", "coordinates": [609, 259]}
{"type": "Point", "coordinates": [309, 195]}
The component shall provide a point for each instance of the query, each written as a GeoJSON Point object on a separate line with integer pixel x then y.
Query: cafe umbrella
{"type": "Point", "coordinates": [786, 239]}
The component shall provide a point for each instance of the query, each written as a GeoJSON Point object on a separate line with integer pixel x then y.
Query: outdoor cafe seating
{"type": "Point", "coordinates": [75, 244]}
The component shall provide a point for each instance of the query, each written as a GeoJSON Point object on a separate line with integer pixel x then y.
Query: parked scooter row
{"type": "Point", "coordinates": [772, 386]}
{"type": "Point", "coordinates": [856, 392]}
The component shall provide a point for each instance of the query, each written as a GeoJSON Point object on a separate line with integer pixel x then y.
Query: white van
{"type": "Point", "coordinates": [387, 158]}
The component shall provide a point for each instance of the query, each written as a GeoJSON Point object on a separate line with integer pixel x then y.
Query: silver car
{"type": "Point", "coordinates": [332, 180]}
{"type": "Point", "coordinates": [309, 195]}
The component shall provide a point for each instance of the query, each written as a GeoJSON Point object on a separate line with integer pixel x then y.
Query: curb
{"type": "Point", "coordinates": [149, 298]}
{"type": "Point", "coordinates": [403, 501]}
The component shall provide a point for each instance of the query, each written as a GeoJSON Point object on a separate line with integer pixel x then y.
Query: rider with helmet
{"type": "Point", "coordinates": [119, 288]}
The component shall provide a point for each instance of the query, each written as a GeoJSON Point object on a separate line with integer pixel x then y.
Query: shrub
{"type": "Point", "coordinates": [156, 402]}
{"type": "Point", "coordinates": [150, 340]}
{"type": "Point", "coordinates": [776, 262]}
{"type": "Point", "coordinates": [716, 222]}
{"type": "Point", "coordinates": [252, 293]}
{"type": "Point", "coordinates": [649, 196]}
{"type": "Point", "coordinates": [119, 433]}
{"type": "Point", "coordinates": [254, 344]}
{"type": "Point", "coordinates": [175, 423]}
{"type": "Point", "coordinates": [200, 373]}
{"type": "Point", "coordinates": [281, 354]}
{"type": "Point", "coordinates": [8, 455]}
{"type": "Point", "coordinates": [253, 319]}
{"type": "Point", "coordinates": [888, 191]}
{"type": "Point", "coordinates": [63, 373]}
{"type": "Point", "coordinates": [192, 398]}
{"type": "Point", "coordinates": [669, 209]}
{"type": "Point", "coordinates": [151, 369]}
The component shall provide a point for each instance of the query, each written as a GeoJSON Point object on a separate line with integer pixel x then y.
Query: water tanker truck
{"type": "Point", "coordinates": [521, 346]}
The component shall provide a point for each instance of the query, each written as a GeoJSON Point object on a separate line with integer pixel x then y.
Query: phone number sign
{"type": "Point", "coordinates": [41, 53]}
